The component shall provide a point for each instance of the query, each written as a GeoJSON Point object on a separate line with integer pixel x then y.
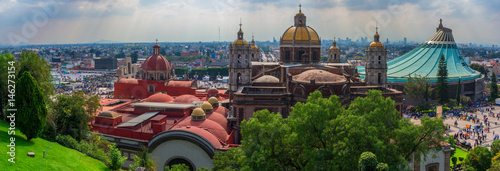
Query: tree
{"type": "Point", "coordinates": [459, 92]}
{"type": "Point", "coordinates": [495, 147]}
{"type": "Point", "coordinates": [465, 100]}
{"type": "Point", "coordinates": [417, 87]}
{"type": "Point", "coordinates": [454, 161]}
{"type": "Point", "coordinates": [134, 57]}
{"type": "Point", "coordinates": [232, 159]}
{"type": "Point", "coordinates": [72, 113]}
{"type": "Point", "coordinates": [442, 85]}
{"type": "Point", "coordinates": [39, 69]}
{"type": "Point", "coordinates": [479, 158]}
{"type": "Point", "coordinates": [367, 161]}
{"type": "Point", "coordinates": [5, 58]}
{"type": "Point", "coordinates": [479, 68]}
{"type": "Point", "coordinates": [322, 135]}
{"type": "Point", "coordinates": [30, 105]}
{"type": "Point", "coordinates": [116, 158]}
{"type": "Point", "coordinates": [493, 88]}
{"type": "Point", "coordinates": [177, 167]}
{"type": "Point", "coordinates": [144, 160]}
{"type": "Point", "coordinates": [382, 167]}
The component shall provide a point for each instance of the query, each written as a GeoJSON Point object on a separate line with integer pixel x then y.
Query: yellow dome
{"type": "Point", "coordinates": [198, 112]}
{"type": "Point", "coordinates": [301, 34]}
{"type": "Point", "coordinates": [300, 13]}
{"type": "Point", "coordinates": [334, 48]}
{"type": "Point", "coordinates": [213, 100]}
{"type": "Point", "coordinates": [206, 105]}
{"type": "Point", "coordinates": [240, 42]}
{"type": "Point", "coordinates": [376, 45]}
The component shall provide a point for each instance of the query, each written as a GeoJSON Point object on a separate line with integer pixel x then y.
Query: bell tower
{"type": "Point", "coordinates": [334, 53]}
{"type": "Point", "coordinates": [376, 62]}
{"type": "Point", "coordinates": [240, 63]}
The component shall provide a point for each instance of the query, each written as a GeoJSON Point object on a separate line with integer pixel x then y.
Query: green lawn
{"type": "Point", "coordinates": [58, 156]}
{"type": "Point", "coordinates": [459, 153]}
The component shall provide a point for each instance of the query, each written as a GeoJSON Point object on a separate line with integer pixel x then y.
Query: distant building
{"type": "Point", "coordinates": [126, 69]}
{"type": "Point", "coordinates": [105, 63]}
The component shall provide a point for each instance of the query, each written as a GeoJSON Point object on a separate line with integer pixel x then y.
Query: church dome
{"type": "Point", "coordinates": [334, 48]}
{"type": "Point", "coordinates": [198, 112]}
{"type": "Point", "coordinates": [376, 45]}
{"type": "Point", "coordinates": [267, 79]}
{"type": "Point", "coordinates": [156, 62]}
{"type": "Point", "coordinates": [159, 97]}
{"type": "Point", "coordinates": [213, 100]}
{"type": "Point", "coordinates": [300, 34]}
{"type": "Point", "coordinates": [206, 105]}
{"type": "Point", "coordinates": [207, 124]}
{"type": "Point", "coordinates": [240, 42]}
{"type": "Point", "coordinates": [319, 76]}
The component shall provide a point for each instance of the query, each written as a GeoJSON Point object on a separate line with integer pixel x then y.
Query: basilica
{"type": "Point", "coordinates": [277, 86]}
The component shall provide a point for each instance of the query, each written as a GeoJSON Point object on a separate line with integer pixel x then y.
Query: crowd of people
{"type": "Point", "coordinates": [100, 83]}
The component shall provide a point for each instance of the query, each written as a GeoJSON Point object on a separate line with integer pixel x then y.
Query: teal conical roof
{"type": "Point", "coordinates": [424, 60]}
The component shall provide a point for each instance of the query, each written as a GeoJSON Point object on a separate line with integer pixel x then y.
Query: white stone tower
{"type": "Point", "coordinates": [240, 64]}
{"type": "Point", "coordinates": [376, 62]}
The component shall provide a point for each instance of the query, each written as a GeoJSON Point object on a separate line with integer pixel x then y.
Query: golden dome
{"type": "Point", "coordinates": [198, 112]}
{"type": "Point", "coordinates": [300, 13]}
{"type": "Point", "coordinates": [301, 34]}
{"type": "Point", "coordinates": [240, 42]}
{"type": "Point", "coordinates": [213, 100]}
{"type": "Point", "coordinates": [334, 48]}
{"type": "Point", "coordinates": [376, 45]}
{"type": "Point", "coordinates": [206, 105]}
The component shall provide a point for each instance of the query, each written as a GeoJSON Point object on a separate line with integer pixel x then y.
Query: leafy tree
{"type": "Point", "coordinates": [116, 158]}
{"type": "Point", "coordinates": [31, 107]}
{"type": "Point", "coordinates": [323, 135]}
{"type": "Point", "coordinates": [442, 86]}
{"type": "Point", "coordinates": [144, 160]}
{"type": "Point", "coordinates": [232, 159]}
{"type": "Point", "coordinates": [5, 58]}
{"type": "Point", "coordinates": [367, 162]}
{"type": "Point", "coordinates": [39, 69]}
{"type": "Point", "coordinates": [479, 68]}
{"type": "Point", "coordinates": [382, 167]}
{"type": "Point", "coordinates": [465, 100]}
{"type": "Point", "coordinates": [134, 57]}
{"type": "Point", "coordinates": [479, 158]}
{"type": "Point", "coordinates": [493, 88]}
{"type": "Point", "coordinates": [177, 167]}
{"type": "Point", "coordinates": [495, 147]}
{"type": "Point", "coordinates": [417, 87]}
{"type": "Point", "coordinates": [73, 112]}
{"type": "Point", "coordinates": [454, 161]}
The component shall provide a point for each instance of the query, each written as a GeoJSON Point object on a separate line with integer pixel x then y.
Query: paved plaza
{"type": "Point", "coordinates": [461, 125]}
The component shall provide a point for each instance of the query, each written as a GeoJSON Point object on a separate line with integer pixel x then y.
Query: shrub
{"type": "Point", "coordinates": [177, 167]}
{"type": "Point", "coordinates": [115, 157]}
{"type": "Point", "coordinates": [454, 160]}
{"type": "Point", "coordinates": [68, 141]}
{"type": "Point", "coordinates": [461, 159]}
{"type": "Point", "coordinates": [382, 167]}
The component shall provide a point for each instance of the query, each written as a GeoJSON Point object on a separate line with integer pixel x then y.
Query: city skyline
{"type": "Point", "coordinates": [64, 21]}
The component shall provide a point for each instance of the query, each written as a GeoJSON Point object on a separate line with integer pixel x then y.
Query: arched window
{"type": "Point", "coordinates": [161, 76]}
{"type": "Point", "coordinates": [334, 56]}
{"type": "Point", "coordinates": [151, 77]}
{"type": "Point", "coordinates": [129, 68]}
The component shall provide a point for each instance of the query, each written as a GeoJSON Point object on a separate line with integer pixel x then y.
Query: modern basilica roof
{"type": "Point", "coordinates": [424, 60]}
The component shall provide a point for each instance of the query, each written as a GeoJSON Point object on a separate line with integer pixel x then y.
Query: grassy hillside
{"type": "Point", "coordinates": [58, 156]}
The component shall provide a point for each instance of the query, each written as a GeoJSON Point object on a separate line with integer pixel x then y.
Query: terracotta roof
{"type": "Point", "coordinates": [319, 76]}
{"type": "Point", "coordinates": [204, 133]}
{"type": "Point", "coordinates": [180, 83]}
{"type": "Point", "coordinates": [186, 98]}
{"type": "Point", "coordinates": [159, 97]}
{"type": "Point", "coordinates": [222, 110]}
{"type": "Point", "coordinates": [128, 81]}
{"type": "Point", "coordinates": [212, 91]}
{"type": "Point", "coordinates": [219, 118]}
{"type": "Point", "coordinates": [210, 125]}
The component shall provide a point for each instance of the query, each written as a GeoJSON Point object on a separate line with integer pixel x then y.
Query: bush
{"type": "Point", "coordinates": [68, 141]}
{"type": "Point", "coordinates": [454, 160]}
{"type": "Point", "coordinates": [94, 152]}
{"type": "Point", "coordinates": [177, 167]}
{"type": "Point", "coordinates": [115, 157]}
{"type": "Point", "coordinates": [461, 159]}
{"type": "Point", "coordinates": [367, 161]}
{"type": "Point", "coordinates": [382, 167]}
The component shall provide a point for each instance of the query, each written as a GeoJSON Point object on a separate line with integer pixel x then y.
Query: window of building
{"type": "Point", "coordinates": [151, 77]}
{"type": "Point", "coordinates": [161, 76]}
{"type": "Point", "coordinates": [315, 56]}
{"type": "Point", "coordinates": [432, 167]}
{"type": "Point", "coordinates": [238, 78]}
{"type": "Point", "coordinates": [151, 88]}
{"type": "Point", "coordinates": [287, 55]}
{"type": "Point", "coordinates": [379, 78]}
{"type": "Point", "coordinates": [334, 56]}
{"type": "Point", "coordinates": [299, 57]}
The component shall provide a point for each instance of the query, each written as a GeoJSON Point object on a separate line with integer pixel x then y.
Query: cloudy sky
{"type": "Point", "coordinates": [80, 21]}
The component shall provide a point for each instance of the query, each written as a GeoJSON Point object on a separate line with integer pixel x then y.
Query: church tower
{"type": "Point", "coordinates": [254, 52]}
{"type": "Point", "coordinates": [376, 62]}
{"type": "Point", "coordinates": [240, 64]}
{"type": "Point", "coordinates": [334, 53]}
